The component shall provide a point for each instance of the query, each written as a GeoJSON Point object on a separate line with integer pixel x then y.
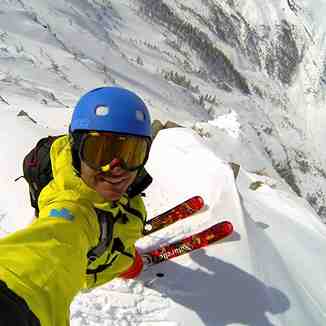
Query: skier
{"type": "Point", "coordinates": [89, 215]}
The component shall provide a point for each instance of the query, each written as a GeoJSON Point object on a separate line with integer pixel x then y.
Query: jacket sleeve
{"type": "Point", "coordinates": [50, 255]}
{"type": "Point", "coordinates": [75, 231]}
{"type": "Point", "coordinates": [74, 217]}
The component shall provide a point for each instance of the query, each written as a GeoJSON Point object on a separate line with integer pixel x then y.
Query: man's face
{"type": "Point", "coordinates": [112, 185]}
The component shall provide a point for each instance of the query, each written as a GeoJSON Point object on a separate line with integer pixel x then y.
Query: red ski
{"type": "Point", "coordinates": [179, 212]}
{"type": "Point", "coordinates": [202, 239]}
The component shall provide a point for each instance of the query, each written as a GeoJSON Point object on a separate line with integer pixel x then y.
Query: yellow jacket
{"type": "Point", "coordinates": [46, 262]}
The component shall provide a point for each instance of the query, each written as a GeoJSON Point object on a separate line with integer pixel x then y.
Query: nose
{"type": "Point", "coordinates": [116, 168]}
{"type": "Point", "coordinates": [115, 163]}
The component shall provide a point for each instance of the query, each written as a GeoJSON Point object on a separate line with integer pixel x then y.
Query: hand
{"type": "Point", "coordinates": [135, 269]}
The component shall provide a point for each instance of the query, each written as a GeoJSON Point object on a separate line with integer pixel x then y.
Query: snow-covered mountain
{"type": "Point", "coordinates": [262, 62]}
{"type": "Point", "coordinates": [249, 77]}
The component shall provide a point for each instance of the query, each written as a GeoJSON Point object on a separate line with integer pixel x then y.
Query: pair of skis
{"type": "Point", "coordinates": [202, 239]}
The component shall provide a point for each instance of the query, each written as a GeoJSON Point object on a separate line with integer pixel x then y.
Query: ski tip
{"type": "Point", "coordinates": [201, 200]}
{"type": "Point", "coordinates": [197, 202]}
{"type": "Point", "coordinates": [226, 228]}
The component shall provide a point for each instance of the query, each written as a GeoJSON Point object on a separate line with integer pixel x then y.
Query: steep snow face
{"type": "Point", "coordinates": [255, 277]}
{"type": "Point", "coordinates": [262, 60]}
{"type": "Point", "coordinates": [190, 61]}
{"type": "Point", "coordinates": [265, 61]}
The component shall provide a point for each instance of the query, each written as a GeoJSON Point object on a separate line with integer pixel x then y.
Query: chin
{"type": "Point", "coordinates": [108, 195]}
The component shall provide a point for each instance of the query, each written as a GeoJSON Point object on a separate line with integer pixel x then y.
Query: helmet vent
{"type": "Point", "coordinates": [140, 116]}
{"type": "Point", "coordinates": [102, 111]}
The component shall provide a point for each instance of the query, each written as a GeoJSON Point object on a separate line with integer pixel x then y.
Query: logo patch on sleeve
{"type": "Point", "coordinates": [62, 213]}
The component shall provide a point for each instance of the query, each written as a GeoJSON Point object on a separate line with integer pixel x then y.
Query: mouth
{"type": "Point", "coordinates": [113, 181]}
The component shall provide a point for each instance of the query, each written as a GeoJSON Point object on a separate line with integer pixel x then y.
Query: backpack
{"type": "Point", "coordinates": [37, 171]}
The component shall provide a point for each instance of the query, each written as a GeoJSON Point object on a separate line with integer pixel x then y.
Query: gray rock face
{"type": "Point", "coordinates": [274, 51]}
{"type": "Point", "coordinates": [221, 69]}
{"type": "Point", "coordinates": [283, 57]}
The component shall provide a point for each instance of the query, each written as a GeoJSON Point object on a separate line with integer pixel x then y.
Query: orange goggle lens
{"type": "Point", "coordinates": [98, 150]}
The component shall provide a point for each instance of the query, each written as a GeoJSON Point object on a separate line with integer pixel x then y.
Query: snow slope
{"type": "Point", "coordinates": [269, 272]}
{"type": "Point", "coordinates": [53, 51]}
{"type": "Point", "coordinates": [260, 276]}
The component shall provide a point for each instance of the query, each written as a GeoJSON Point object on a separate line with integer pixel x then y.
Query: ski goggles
{"type": "Point", "coordinates": [102, 150]}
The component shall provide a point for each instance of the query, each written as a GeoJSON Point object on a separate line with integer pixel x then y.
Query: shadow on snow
{"type": "Point", "coordinates": [218, 292]}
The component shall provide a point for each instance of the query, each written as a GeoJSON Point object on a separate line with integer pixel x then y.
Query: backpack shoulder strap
{"type": "Point", "coordinates": [106, 232]}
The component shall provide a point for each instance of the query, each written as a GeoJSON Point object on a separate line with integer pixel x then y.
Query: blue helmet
{"type": "Point", "coordinates": [112, 109]}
